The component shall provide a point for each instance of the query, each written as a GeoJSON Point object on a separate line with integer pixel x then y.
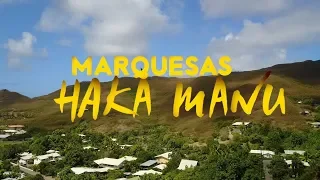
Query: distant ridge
{"type": "Point", "coordinates": [7, 97]}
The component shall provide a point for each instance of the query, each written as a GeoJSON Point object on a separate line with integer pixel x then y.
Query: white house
{"type": "Point", "coordinates": [47, 157]}
{"type": "Point", "coordinates": [4, 136]}
{"type": "Point", "coordinates": [315, 124]}
{"type": "Point", "coordinates": [10, 131]}
{"type": "Point", "coordinates": [237, 124]}
{"type": "Point", "coordinates": [129, 158]}
{"type": "Point", "coordinates": [110, 162]}
{"type": "Point", "coordinates": [290, 152]}
{"type": "Point", "coordinates": [161, 166]}
{"type": "Point", "coordinates": [143, 172]}
{"type": "Point", "coordinates": [185, 163]}
{"type": "Point", "coordinates": [289, 162]}
{"type": "Point", "coordinates": [163, 158]}
{"type": "Point", "coordinates": [90, 147]}
{"type": "Point", "coordinates": [265, 153]}
{"type": "Point", "coordinates": [52, 151]}
{"type": "Point", "coordinates": [81, 170]}
{"type": "Point", "coordinates": [26, 158]}
{"type": "Point", "coordinates": [124, 146]}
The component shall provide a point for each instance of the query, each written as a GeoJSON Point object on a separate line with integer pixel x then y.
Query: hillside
{"type": "Point", "coordinates": [299, 80]}
{"type": "Point", "coordinates": [7, 98]}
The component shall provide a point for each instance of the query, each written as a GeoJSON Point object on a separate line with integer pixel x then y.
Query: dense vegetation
{"type": "Point", "coordinates": [216, 161]}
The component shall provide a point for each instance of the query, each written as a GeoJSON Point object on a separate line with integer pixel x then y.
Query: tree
{"type": "Point", "coordinates": [297, 166]}
{"type": "Point", "coordinates": [279, 168]}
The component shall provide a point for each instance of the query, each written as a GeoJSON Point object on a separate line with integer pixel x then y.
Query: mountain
{"type": "Point", "coordinates": [7, 98]}
{"type": "Point", "coordinates": [300, 80]}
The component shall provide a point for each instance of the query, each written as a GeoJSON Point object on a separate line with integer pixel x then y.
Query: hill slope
{"type": "Point", "coordinates": [7, 98]}
{"type": "Point", "coordinates": [299, 80]}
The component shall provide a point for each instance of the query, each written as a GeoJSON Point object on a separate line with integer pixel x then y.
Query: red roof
{"type": "Point", "coordinates": [15, 126]}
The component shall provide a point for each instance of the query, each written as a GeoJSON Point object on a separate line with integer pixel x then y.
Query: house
{"type": "Point", "coordinates": [148, 164]}
{"type": "Point", "coordinates": [129, 158]}
{"type": "Point", "coordinates": [110, 162]}
{"type": "Point", "coordinates": [13, 131]}
{"type": "Point", "coordinates": [16, 127]}
{"type": "Point", "coordinates": [47, 157]}
{"type": "Point", "coordinates": [289, 162]}
{"type": "Point", "coordinates": [52, 151]}
{"type": "Point", "coordinates": [163, 158]}
{"type": "Point", "coordinates": [291, 152]}
{"type": "Point", "coordinates": [113, 139]}
{"type": "Point", "coordinates": [305, 113]}
{"type": "Point", "coordinates": [143, 172]}
{"type": "Point", "coordinates": [315, 124]}
{"type": "Point", "coordinates": [185, 163]}
{"type": "Point", "coordinates": [26, 159]}
{"type": "Point", "coordinates": [10, 131]}
{"type": "Point", "coordinates": [90, 147]}
{"type": "Point", "coordinates": [4, 136]}
{"type": "Point", "coordinates": [238, 124]}
{"type": "Point", "coordinates": [81, 170]}
{"type": "Point", "coordinates": [161, 166]}
{"type": "Point", "coordinates": [81, 135]}
{"type": "Point", "coordinates": [264, 153]}
{"type": "Point", "coordinates": [25, 154]}
{"type": "Point", "coordinates": [124, 146]}
{"type": "Point", "coordinates": [299, 102]}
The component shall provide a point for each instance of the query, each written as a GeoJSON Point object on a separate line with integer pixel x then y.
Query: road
{"type": "Point", "coordinates": [31, 172]}
{"type": "Point", "coordinates": [267, 175]}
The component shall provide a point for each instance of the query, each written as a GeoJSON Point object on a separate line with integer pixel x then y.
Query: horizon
{"type": "Point", "coordinates": [36, 50]}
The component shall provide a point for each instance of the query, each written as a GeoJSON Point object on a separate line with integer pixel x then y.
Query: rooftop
{"type": "Point", "coordinates": [148, 163]}
{"type": "Point", "coordinates": [294, 151]}
{"type": "Point", "coordinates": [3, 136]}
{"type": "Point", "coordinates": [262, 152]}
{"type": "Point", "coordinates": [185, 163]}
{"type": "Point", "coordinates": [161, 166]}
{"type": "Point", "coordinates": [80, 170]}
{"type": "Point", "coordinates": [15, 126]}
{"type": "Point", "coordinates": [90, 147]}
{"type": "Point", "coordinates": [129, 158]}
{"type": "Point", "coordinates": [143, 172]}
{"type": "Point", "coordinates": [27, 157]}
{"type": "Point", "coordinates": [47, 156]}
{"type": "Point", "coordinates": [240, 123]}
{"type": "Point", "coordinates": [51, 151]}
{"type": "Point", "coordinates": [109, 161]}
{"type": "Point", "coordinates": [289, 162]}
{"type": "Point", "coordinates": [165, 155]}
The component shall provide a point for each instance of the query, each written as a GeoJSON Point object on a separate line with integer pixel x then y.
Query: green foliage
{"type": "Point", "coordinates": [279, 168]}
{"type": "Point", "coordinates": [317, 117]}
{"type": "Point", "coordinates": [216, 161]}
{"type": "Point", "coordinates": [308, 101]}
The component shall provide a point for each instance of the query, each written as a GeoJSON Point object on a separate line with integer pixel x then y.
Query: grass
{"type": "Point", "coordinates": [3, 143]}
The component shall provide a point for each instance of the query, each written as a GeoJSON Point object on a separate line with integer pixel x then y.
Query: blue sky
{"type": "Point", "coordinates": [38, 38]}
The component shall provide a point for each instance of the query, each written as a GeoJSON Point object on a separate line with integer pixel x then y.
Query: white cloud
{"type": "Point", "coordinates": [236, 8]}
{"type": "Point", "coordinates": [260, 45]}
{"type": "Point", "coordinates": [65, 42]}
{"type": "Point", "coordinates": [22, 48]}
{"type": "Point", "coordinates": [109, 27]}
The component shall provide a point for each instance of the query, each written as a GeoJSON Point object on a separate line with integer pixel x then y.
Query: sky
{"type": "Point", "coordinates": [38, 38]}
